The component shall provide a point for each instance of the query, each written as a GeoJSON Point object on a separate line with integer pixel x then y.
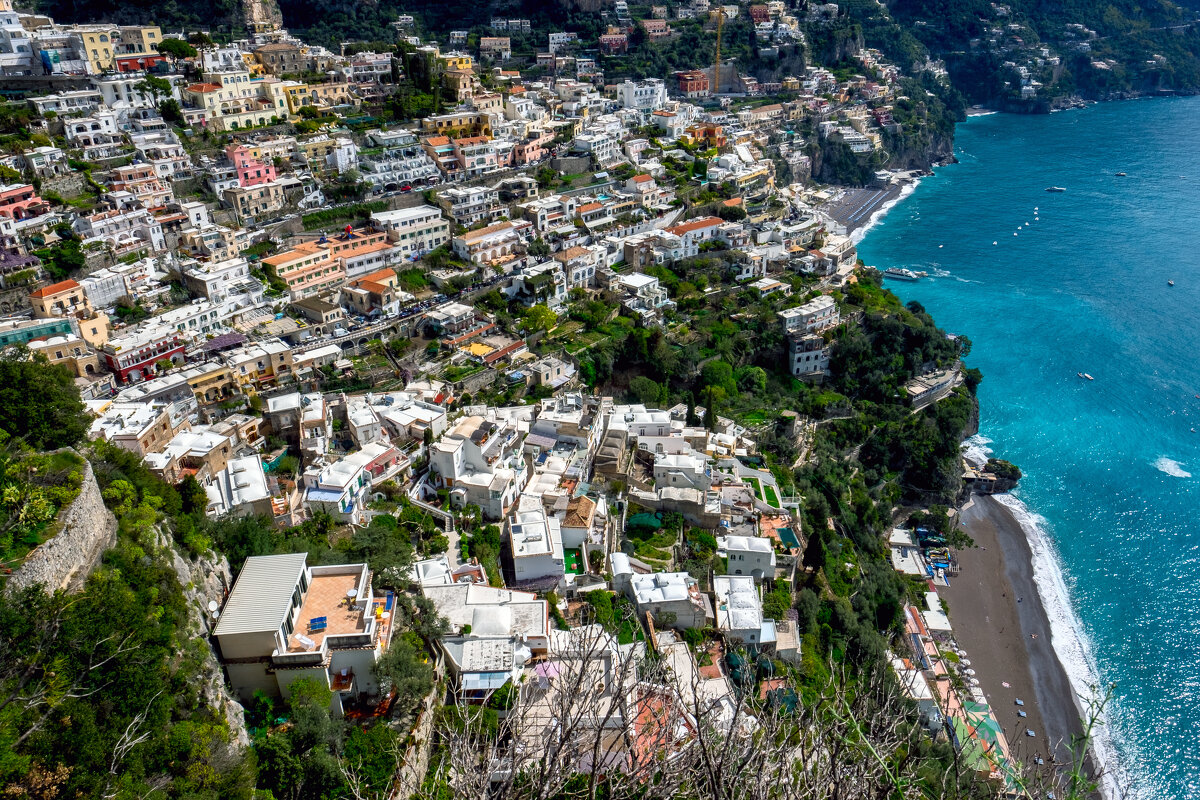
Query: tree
{"type": "Point", "coordinates": [200, 39]}
{"type": "Point", "coordinates": [194, 498]}
{"type": "Point", "coordinates": [405, 669]}
{"type": "Point", "coordinates": [175, 49]}
{"type": "Point", "coordinates": [646, 391]}
{"type": "Point", "coordinates": [39, 401]}
{"type": "Point", "coordinates": [155, 87]}
{"type": "Point", "coordinates": [539, 248]}
{"type": "Point", "coordinates": [64, 258]}
{"type": "Point", "coordinates": [170, 110]}
{"type": "Point", "coordinates": [309, 112]}
{"type": "Point", "coordinates": [540, 318]}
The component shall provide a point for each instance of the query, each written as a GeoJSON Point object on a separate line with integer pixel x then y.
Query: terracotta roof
{"type": "Point", "coordinates": [202, 88]}
{"type": "Point", "coordinates": [437, 141]}
{"type": "Point", "coordinates": [695, 225]}
{"type": "Point", "coordinates": [380, 276]}
{"type": "Point", "coordinates": [571, 252]}
{"type": "Point", "coordinates": [586, 207]}
{"type": "Point", "coordinates": [55, 288]}
{"type": "Point", "coordinates": [642, 178]}
{"type": "Point", "coordinates": [579, 512]}
{"type": "Point", "coordinates": [471, 236]}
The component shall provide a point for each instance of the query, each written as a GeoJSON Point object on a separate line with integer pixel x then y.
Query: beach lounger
{"type": "Point", "coordinates": [308, 643]}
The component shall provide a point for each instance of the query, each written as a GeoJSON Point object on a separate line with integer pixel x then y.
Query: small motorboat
{"type": "Point", "coordinates": [1055, 189]}
{"type": "Point", "coordinates": [1089, 377]}
{"type": "Point", "coordinates": [1170, 283]}
{"type": "Point", "coordinates": [1120, 174]}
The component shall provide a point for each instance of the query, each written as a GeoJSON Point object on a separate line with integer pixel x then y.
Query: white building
{"type": "Point", "coordinates": [479, 461]}
{"type": "Point", "coordinates": [682, 471]}
{"type": "Point", "coordinates": [284, 621]}
{"type": "Point", "coordinates": [240, 489]}
{"type": "Point", "coordinates": [739, 611]}
{"type": "Point", "coordinates": [414, 231]}
{"type": "Point", "coordinates": [535, 542]}
{"type": "Point", "coordinates": [673, 598]}
{"type": "Point", "coordinates": [649, 94]}
{"type": "Point", "coordinates": [748, 555]}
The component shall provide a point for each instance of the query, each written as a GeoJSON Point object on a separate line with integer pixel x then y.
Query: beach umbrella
{"type": "Point", "coordinates": [967, 661]}
{"type": "Point", "coordinates": [974, 681]}
{"type": "Point", "coordinates": [969, 671]}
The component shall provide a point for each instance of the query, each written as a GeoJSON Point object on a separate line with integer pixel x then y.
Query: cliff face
{"type": "Point", "coordinates": [207, 579]}
{"type": "Point", "coordinates": [261, 15]}
{"type": "Point", "coordinates": [88, 528]}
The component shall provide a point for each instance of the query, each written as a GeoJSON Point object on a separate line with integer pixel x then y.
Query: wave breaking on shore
{"type": "Point", "coordinates": [1068, 637]}
{"type": "Point", "coordinates": [1071, 644]}
{"type": "Point", "coordinates": [858, 234]}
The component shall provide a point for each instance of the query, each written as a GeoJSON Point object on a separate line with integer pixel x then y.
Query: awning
{"type": "Point", "coordinates": [477, 681]}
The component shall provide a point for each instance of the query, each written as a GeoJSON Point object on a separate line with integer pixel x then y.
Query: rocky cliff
{"type": "Point", "coordinates": [87, 529]}
{"type": "Point", "coordinates": [206, 580]}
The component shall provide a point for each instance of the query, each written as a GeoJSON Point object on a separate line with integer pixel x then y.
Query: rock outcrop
{"type": "Point", "coordinates": [205, 580]}
{"type": "Point", "coordinates": [87, 529]}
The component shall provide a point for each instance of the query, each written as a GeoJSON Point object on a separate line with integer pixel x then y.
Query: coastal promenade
{"type": "Point", "coordinates": [999, 620]}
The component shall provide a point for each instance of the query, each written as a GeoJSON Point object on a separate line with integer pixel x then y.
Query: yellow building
{"type": "Point", "coordinates": [138, 40]}
{"type": "Point", "coordinates": [99, 44]}
{"type": "Point", "coordinates": [211, 381]}
{"type": "Point", "coordinates": [457, 61]}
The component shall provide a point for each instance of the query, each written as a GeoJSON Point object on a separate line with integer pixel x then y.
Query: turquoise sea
{"type": "Point", "coordinates": [1111, 494]}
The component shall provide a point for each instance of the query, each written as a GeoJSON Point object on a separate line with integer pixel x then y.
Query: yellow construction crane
{"type": "Point", "coordinates": [716, 87]}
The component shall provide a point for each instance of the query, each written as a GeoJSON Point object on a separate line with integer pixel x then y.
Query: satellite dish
{"type": "Point", "coordinates": [212, 606]}
{"type": "Point", "coordinates": [216, 614]}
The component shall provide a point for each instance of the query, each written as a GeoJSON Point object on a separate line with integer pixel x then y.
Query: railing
{"type": "Point", "coordinates": [302, 659]}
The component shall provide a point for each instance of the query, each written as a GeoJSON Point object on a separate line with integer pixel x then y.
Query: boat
{"type": "Point", "coordinates": [901, 274]}
{"type": "Point", "coordinates": [1089, 377]}
{"type": "Point", "coordinates": [1055, 189]}
{"type": "Point", "coordinates": [1120, 174]}
{"type": "Point", "coordinates": [1170, 283]}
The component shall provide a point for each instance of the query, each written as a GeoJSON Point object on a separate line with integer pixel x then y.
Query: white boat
{"type": "Point", "coordinates": [1055, 189]}
{"type": "Point", "coordinates": [901, 274]}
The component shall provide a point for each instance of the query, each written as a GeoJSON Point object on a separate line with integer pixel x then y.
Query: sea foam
{"type": "Point", "coordinates": [976, 450]}
{"type": "Point", "coordinates": [859, 234]}
{"type": "Point", "coordinates": [1171, 467]}
{"type": "Point", "coordinates": [1071, 644]}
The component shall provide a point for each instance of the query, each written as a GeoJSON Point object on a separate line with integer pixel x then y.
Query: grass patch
{"type": "Point", "coordinates": [771, 497]}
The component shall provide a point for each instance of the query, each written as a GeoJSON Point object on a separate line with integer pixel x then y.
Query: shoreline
{"type": "Point", "coordinates": [997, 612]}
{"type": "Point", "coordinates": [858, 233]}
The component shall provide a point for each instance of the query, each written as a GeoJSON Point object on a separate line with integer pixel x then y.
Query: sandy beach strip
{"type": "Point", "coordinates": [999, 621]}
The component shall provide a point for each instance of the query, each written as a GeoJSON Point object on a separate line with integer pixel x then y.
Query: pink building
{"type": "Point", "coordinates": [532, 149]}
{"type": "Point", "coordinates": [250, 170]}
{"type": "Point", "coordinates": [21, 201]}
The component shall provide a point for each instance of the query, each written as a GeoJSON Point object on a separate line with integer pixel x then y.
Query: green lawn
{"type": "Point", "coordinates": [755, 485]}
{"type": "Point", "coordinates": [573, 561]}
{"type": "Point", "coordinates": [772, 498]}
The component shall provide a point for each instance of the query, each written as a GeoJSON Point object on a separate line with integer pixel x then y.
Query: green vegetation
{"type": "Point", "coordinates": [39, 402]}
{"type": "Point", "coordinates": [34, 487]}
{"type": "Point", "coordinates": [332, 216]}
{"type": "Point", "coordinates": [65, 257]}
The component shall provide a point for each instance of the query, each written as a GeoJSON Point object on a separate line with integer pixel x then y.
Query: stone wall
{"type": "Point", "coordinates": [72, 184]}
{"type": "Point", "coordinates": [87, 529]}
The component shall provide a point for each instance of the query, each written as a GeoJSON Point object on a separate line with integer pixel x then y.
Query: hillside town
{"type": "Point", "coordinates": [315, 316]}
